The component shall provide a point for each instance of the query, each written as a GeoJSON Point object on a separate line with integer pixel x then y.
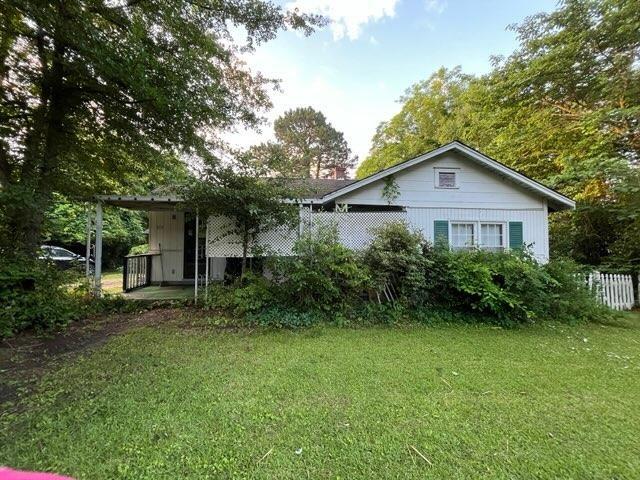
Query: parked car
{"type": "Point", "coordinates": [64, 258]}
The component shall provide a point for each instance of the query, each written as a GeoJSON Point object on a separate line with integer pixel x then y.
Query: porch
{"type": "Point", "coordinates": [172, 269]}
{"type": "Point", "coordinates": [186, 253]}
{"type": "Point", "coordinates": [112, 284]}
{"type": "Point", "coordinates": [166, 292]}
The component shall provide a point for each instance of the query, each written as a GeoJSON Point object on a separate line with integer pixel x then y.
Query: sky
{"type": "Point", "coordinates": [356, 69]}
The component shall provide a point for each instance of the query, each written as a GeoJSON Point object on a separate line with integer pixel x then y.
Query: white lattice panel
{"type": "Point", "coordinates": [355, 230]}
{"type": "Point", "coordinates": [278, 241]}
{"type": "Point", "coordinates": [224, 241]}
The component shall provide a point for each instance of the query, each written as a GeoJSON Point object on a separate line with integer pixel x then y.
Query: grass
{"type": "Point", "coordinates": [112, 282]}
{"type": "Point", "coordinates": [404, 402]}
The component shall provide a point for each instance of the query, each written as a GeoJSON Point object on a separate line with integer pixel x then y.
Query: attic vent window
{"type": "Point", "coordinates": [447, 180]}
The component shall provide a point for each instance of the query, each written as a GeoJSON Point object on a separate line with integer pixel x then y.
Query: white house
{"type": "Point", "coordinates": [453, 193]}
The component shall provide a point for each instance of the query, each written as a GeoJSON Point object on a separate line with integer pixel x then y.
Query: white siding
{"type": "Point", "coordinates": [534, 223]}
{"type": "Point", "coordinates": [166, 236]}
{"type": "Point", "coordinates": [478, 188]}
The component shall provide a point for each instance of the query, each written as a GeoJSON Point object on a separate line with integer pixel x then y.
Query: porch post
{"type": "Point", "coordinates": [87, 271]}
{"type": "Point", "coordinates": [195, 288]}
{"type": "Point", "coordinates": [206, 259]}
{"type": "Point", "coordinates": [97, 271]}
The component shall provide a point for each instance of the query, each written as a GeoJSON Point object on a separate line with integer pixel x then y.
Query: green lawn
{"type": "Point", "coordinates": [112, 282]}
{"type": "Point", "coordinates": [476, 402]}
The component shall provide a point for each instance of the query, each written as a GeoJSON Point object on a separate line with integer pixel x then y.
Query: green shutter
{"type": "Point", "coordinates": [441, 232]}
{"type": "Point", "coordinates": [515, 235]}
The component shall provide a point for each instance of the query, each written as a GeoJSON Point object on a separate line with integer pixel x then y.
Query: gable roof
{"type": "Point", "coordinates": [316, 188]}
{"type": "Point", "coordinates": [166, 197]}
{"type": "Point", "coordinates": [556, 200]}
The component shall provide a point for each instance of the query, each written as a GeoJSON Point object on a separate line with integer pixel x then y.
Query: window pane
{"type": "Point", "coordinates": [462, 235]}
{"type": "Point", "coordinates": [446, 179]}
{"type": "Point", "coordinates": [491, 236]}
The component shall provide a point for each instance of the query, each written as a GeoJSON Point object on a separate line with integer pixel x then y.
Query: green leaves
{"type": "Point", "coordinates": [564, 109]}
{"type": "Point", "coordinates": [308, 145]}
{"type": "Point", "coordinates": [102, 94]}
{"type": "Point", "coordinates": [240, 191]}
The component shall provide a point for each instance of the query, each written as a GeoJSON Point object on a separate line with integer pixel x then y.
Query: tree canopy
{"type": "Point", "coordinates": [241, 191]}
{"type": "Point", "coordinates": [564, 108]}
{"type": "Point", "coordinates": [307, 145]}
{"type": "Point", "coordinates": [95, 94]}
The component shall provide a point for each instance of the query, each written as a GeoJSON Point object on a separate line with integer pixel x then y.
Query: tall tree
{"type": "Point", "coordinates": [241, 191]}
{"type": "Point", "coordinates": [426, 121]}
{"type": "Point", "coordinates": [310, 144]}
{"type": "Point", "coordinates": [96, 92]}
{"type": "Point", "coordinates": [564, 108]}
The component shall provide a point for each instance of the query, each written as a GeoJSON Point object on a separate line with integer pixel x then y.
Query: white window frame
{"type": "Point", "coordinates": [436, 177]}
{"type": "Point", "coordinates": [477, 231]}
{"type": "Point", "coordinates": [474, 242]}
{"type": "Point", "coordinates": [503, 246]}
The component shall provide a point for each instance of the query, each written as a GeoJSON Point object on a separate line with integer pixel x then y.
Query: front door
{"type": "Point", "coordinates": [189, 271]}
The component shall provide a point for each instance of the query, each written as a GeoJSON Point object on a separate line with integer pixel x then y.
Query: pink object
{"type": "Point", "coordinates": [9, 474]}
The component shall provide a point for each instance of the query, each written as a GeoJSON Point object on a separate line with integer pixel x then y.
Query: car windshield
{"type": "Point", "coordinates": [56, 251]}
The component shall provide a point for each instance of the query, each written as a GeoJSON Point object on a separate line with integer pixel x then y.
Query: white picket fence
{"type": "Point", "coordinates": [612, 289]}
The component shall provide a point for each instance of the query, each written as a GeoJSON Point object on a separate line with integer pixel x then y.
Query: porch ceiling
{"type": "Point", "coordinates": [143, 202]}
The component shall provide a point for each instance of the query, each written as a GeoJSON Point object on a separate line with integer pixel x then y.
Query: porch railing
{"type": "Point", "coordinates": [136, 272]}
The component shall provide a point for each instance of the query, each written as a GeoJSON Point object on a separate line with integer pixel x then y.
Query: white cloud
{"type": "Point", "coordinates": [373, 40]}
{"type": "Point", "coordinates": [437, 6]}
{"type": "Point", "coordinates": [348, 17]}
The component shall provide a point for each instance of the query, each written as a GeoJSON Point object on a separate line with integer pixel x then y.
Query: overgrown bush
{"type": "Point", "coordinates": [484, 282]}
{"type": "Point", "coordinates": [139, 249]}
{"type": "Point", "coordinates": [395, 258]}
{"type": "Point", "coordinates": [325, 281]}
{"type": "Point", "coordinates": [568, 298]}
{"type": "Point", "coordinates": [251, 294]}
{"type": "Point", "coordinates": [35, 295]}
{"type": "Point", "coordinates": [322, 275]}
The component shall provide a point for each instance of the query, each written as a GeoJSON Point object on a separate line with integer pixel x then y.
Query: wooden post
{"type": "Point", "coordinates": [206, 259]}
{"type": "Point", "coordinates": [195, 288]}
{"type": "Point", "coordinates": [300, 220]}
{"type": "Point", "coordinates": [87, 266]}
{"type": "Point", "coordinates": [97, 272]}
{"type": "Point", "coordinates": [125, 268]}
{"type": "Point", "coordinates": [149, 269]}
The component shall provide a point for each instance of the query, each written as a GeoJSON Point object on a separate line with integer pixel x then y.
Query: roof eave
{"type": "Point", "coordinates": [565, 203]}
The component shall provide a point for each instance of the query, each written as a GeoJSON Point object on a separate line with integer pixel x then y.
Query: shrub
{"type": "Point", "coordinates": [139, 249]}
{"type": "Point", "coordinates": [250, 294]}
{"type": "Point", "coordinates": [395, 257]}
{"type": "Point", "coordinates": [36, 295]}
{"type": "Point", "coordinates": [508, 287]}
{"type": "Point", "coordinates": [569, 298]}
{"type": "Point", "coordinates": [327, 281]}
{"type": "Point", "coordinates": [323, 274]}
{"type": "Point", "coordinates": [471, 283]}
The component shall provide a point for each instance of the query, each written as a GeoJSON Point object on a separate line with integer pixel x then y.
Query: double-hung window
{"type": "Point", "coordinates": [492, 236]}
{"type": "Point", "coordinates": [484, 235]}
{"type": "Point", "coordinates": [462, 235]}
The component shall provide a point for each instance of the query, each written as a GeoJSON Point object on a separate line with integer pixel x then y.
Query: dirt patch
{"type": "Point", "coordinates": [25, 358]}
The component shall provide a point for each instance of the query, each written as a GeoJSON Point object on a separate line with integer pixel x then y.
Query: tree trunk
{"type": "Point", "coordinates": [245, 250]}
{"type": "Point", "coordinates": [32, 193]}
